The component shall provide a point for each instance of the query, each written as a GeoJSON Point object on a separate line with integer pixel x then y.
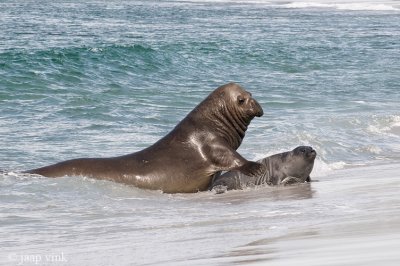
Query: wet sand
{"type": "Point", "coordinates": [365, 232]}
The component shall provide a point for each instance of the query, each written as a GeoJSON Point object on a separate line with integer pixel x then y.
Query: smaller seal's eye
{"type": "Point", "coordinates": [241, 100]}
{"type": "Point", "coordinates": [303, 150]}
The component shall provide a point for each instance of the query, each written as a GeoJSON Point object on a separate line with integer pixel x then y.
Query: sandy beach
{"type": "Point", "coordinates": [363, 228]}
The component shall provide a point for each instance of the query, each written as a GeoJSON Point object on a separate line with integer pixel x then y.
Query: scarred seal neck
{"type": "Point", "coordinates": [230, 125]}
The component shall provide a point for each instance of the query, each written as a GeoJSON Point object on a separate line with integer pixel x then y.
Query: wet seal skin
{"type": "Point", "coordinates": [202, 145]}
{"type": "Point", "coordinates": [281, 169]}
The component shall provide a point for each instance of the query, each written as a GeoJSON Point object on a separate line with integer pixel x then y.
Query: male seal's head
{"type": "Point", "coordinates": [242, 101]}
{"type": "Point", "coordinates": [229, 109]}
{"type": "Point", "coordinates": [237, 100]}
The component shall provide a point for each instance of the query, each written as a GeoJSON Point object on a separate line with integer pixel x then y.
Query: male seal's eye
{"type": "Point", "coordinates": [241, 100]}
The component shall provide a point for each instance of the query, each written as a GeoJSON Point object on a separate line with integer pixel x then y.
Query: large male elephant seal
{"type": "Point", "coordinates": [185, 160]}
{"type": "Point", "coordinates": [281, 169]}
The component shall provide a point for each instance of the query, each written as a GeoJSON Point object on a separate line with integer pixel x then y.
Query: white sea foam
{"type": "Point", "coordinates": [95, 49]}
{"type": "Point", "coordinates": [356, 5]}
{"type": "Point", "coordinates": [385, 125]}
{"type": "Point", "coordinates": [373, 149]}
{"type": "Point", "coordinates": [322, 168]}
{"type": "Point", "coordinates": [345, 5]}
{"type": "Point", "coordinates": [395, 121]}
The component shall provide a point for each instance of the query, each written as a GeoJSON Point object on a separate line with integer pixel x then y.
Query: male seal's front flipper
{"type": "Point", "coordinates": [228, 159]}
{"type": "Point", "coordinates": [252, 169]}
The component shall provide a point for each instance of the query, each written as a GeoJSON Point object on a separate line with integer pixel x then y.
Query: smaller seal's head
{"type": "Point", "coordinates": [300, 162]}
{"type": "Point", "coordinates": [307, 152]}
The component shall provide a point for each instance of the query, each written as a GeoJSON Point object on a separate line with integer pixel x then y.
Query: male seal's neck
{"type": "Point", "coordinates": [230, 126]}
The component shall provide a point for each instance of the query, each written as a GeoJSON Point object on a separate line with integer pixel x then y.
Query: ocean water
{"type": "Point", "coordinates": [107, 78]}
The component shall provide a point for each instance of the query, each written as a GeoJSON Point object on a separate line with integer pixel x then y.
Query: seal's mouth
{"type": "Point", "coordinates": [312, 154]}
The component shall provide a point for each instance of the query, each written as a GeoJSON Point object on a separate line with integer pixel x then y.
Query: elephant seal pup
{"type": "Point", "coordinates": [281, 169]}
{"type": "Point", "coordinates": [185, 160]}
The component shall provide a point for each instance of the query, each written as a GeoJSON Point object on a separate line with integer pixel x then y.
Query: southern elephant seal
{"type": "Point", "coordinates": [203, 144]}
{"type": "Point", "coordinates": [281, 169]}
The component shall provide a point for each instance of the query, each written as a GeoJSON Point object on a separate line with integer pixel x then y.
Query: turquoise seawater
{"type": "Point", "coordinates": [107, 78]}
{"type": "Point", "coordinates": [110, 77]}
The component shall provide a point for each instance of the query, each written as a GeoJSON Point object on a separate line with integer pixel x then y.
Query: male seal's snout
{"type": "Point", "coordinates": [256, 108]}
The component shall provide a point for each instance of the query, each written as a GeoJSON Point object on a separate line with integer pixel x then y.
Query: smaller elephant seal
{"type": "Point", "coordinates": [202, 145]}
{"type": "Point", "coordinates": [281, 169]}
